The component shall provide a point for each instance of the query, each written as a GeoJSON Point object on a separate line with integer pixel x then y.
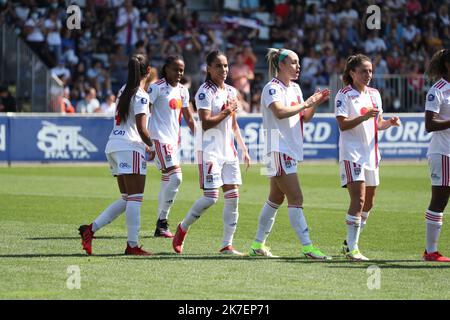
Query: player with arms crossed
{"type": "Point", "coordinates": [358, 111]}
{"type": "Point", "coordinates": [284, 113]}
{"type": "Point", "coordinates": [125, 151]}
{"type": "Point", "coordinates": [437, 120]}
{"type": "Point", "coordinates": [168, 101]}
{"type": "Point", "coordinates": [218, 162]}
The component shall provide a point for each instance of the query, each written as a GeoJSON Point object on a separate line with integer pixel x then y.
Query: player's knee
{"type": "Point", "coordinates": [209, 200]}
{"type": "Point", "coordinates": [177, 179]}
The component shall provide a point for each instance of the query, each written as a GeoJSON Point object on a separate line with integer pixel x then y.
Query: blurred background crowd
{"type": "Point", "coordinates": [92, 61]}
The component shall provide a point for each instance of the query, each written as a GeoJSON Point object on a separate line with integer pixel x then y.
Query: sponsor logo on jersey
{"type": "Point", "coordinates": [175, 104]}
{"type": "Point", "coordinates": [338, 103]}
{"type": "Point", "coordinates": [144, 100]}
{"type": "Point", "coordinates": [272, 91]}
{"type": "Point", "coordinates": [201, 96]}
{"type": "Point", "coordinates": [63, 142]}
{"type": "Point", "coordinates": [430, 97]}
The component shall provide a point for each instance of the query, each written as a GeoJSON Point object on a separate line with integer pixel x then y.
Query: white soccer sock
{"type": "Point", "coordinates": [434, 226]}
{"type": "Point", "coordinates": [170, 193]}
{"type": "Point", "coordinates": [353, 231]}
{"type": "Point", "coordinates": [266, 221]}
{"type": "Point", "coordinates": [230, 216]}
{"type": "Point", "coordinates": [133, 217]}
{"type": "Point", "coordinates": [162, 189]}
{"type": "Point", "coordinates": [364, 217]}
{"type": "Point", "coordinates": [209, 198]}
{"type": "Point", "coordinates": [110, 213]}
{"type": "Point", "coordinates": [298, 222]}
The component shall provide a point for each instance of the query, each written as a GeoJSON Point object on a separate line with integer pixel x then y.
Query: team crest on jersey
{"type": "Point", "coordinates": [201, 96]}
{"type": "Point", "coordinates": [272, 91]}
{"type": "Point", "coordinates": [168, 158]}
{"type": "Point", "coordinates": [143, 100]}
{"type": "Point", "coordinates": [209, 178]}
{"type": "Point", "coordinates": [430, 97]}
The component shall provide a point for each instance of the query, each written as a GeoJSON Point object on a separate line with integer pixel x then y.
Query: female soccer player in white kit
{"type": "Point", "coordinates": [358, 110]}
{"type": "Point", "coordinates": [218, 162]}
{"type": "Point", "coordinates": [437, 120]}
{"type": "Point", "coordinates": [125, 151]}
{"type": "Point", "coordinates": [168, 101]}
{"type": "Point", "coordinates": [284, 112]}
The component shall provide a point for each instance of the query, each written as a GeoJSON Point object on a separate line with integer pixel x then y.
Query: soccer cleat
{"type": "Point", "coordinates": [435, 256]}
{"type": "Point", "coordinates": [231, 251]}
{"type": "Point", "coordinates": [86, 237]}
{"type": "Point", "coordinates": [344, 249]}
{"type": "Point", "coordinates": [260, 250]}
{"type": "Point", "coordinates": [162, 229]}
{"type": "Point", "coordinates": [136, 251]}
{"type": "Point", "coordinates": [311, 252]}
{"type": "Point", "coordinates": [178, 239]}
{"type": "Point", "coordinates": [355, 255]}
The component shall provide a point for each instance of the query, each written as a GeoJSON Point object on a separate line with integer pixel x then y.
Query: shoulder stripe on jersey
{"type": "Point", "coordinates": [345, 89]}
{"type": "Point", "coordinates": [439, 84]}
{"type": "Point", "coordinates": [161, 81]}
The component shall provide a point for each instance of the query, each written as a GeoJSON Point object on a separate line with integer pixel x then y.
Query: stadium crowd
{"type": "Point", "coordinates": [92, 62]}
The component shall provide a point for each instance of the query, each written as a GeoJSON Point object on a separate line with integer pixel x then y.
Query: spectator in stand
{"type": "Point", "coordinates": [108, 107]}
{"type": "Point", "coordinates": [374, 43]}
{"type": "Point", "coordinates": [99, 78]}
{"type": "Point", "coordinates": [52, 27]}
{"type": "Point", "coordinates": [250, 58]}
{"type": "Point", "coordinates": [7, 101]}
{"type": "Point", "coordinates": [241, 75]}
{"type": "Point", "coordinates": [413, 7]}
{"type": "Point", "coordinates": [127, 25]}
{"type": "Point", "coordinates": [66, 105]}
{"type": "Point", "coordinates": [90, 103]}
{"type": "Point", "coordinates": [192, 54]}
{"type": "Point", "coordinates": [62, 72]}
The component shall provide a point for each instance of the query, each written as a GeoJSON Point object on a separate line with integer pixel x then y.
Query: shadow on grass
{"type": "Point", "coordinates": [169, 256]}
{"type": "Point", "coordinates": [55, 255]}
{"type": "Point", "coordinates": [78, 238]}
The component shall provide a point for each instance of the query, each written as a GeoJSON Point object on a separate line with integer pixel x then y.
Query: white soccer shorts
{"type": "Point", "coordinates": [215, 173]}
{"type": "Point", "coordinates": [167, 155]}
{"type": "Point", "coordinates": [276, 163]}
{"type": "Point", "coordinates": [439, 165]}
{"type": "Point", "coordinates": [126, 162]}
{"type": "Point", "coordinates": [351, 172]}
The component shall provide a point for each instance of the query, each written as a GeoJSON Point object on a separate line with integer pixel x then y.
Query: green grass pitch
{"type": "Point", "coordinates": [41, 208]}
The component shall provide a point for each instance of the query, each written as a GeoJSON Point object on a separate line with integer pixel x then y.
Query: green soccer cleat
{"type": "Point", "coordinates": [260, 250]}
{"type": "Point", "coordinates": [311, 252]}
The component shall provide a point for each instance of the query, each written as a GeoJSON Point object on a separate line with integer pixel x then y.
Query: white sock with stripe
{"type": "Point", "coordinates": [133, 217]}
{"type": "Point", "coordinates": [298, 222]}
{"type": "Point", "coordinates": [170, 192]}
{"type": "Point", "coordinates": [353, 231]}
{"type": "Point", "coordinates": [209, 198]}
{"type": "Point", "coordinates": [434, 226]}
{"type": "Point", "coordinates": [266, 220]}
{"type": "Point", "coordinates": [364, 217]}
{"type": "Point", "coordinates": [230, 216]}
{"type": "Point", "coordinates": [162, 190]}
{"type": "Point", "coordinates": [110, 213]}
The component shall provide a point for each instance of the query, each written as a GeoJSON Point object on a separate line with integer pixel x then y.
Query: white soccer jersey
{"type": "Point", "coordinates": [360, 144]}
{"type": "Point", "coordinates": [282, 135]}
{"type": "Point", "coordinates": [217, 142]}
{"type": "Point", "coordinates": [438, 101]}
{"type": "Point", "coordinates": [167, 101]}
{"type": "Point", "coordinates": [124, 135]}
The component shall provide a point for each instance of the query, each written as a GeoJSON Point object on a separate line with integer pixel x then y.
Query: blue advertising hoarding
{"type": "Point", "coordinates": [49, 138]}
